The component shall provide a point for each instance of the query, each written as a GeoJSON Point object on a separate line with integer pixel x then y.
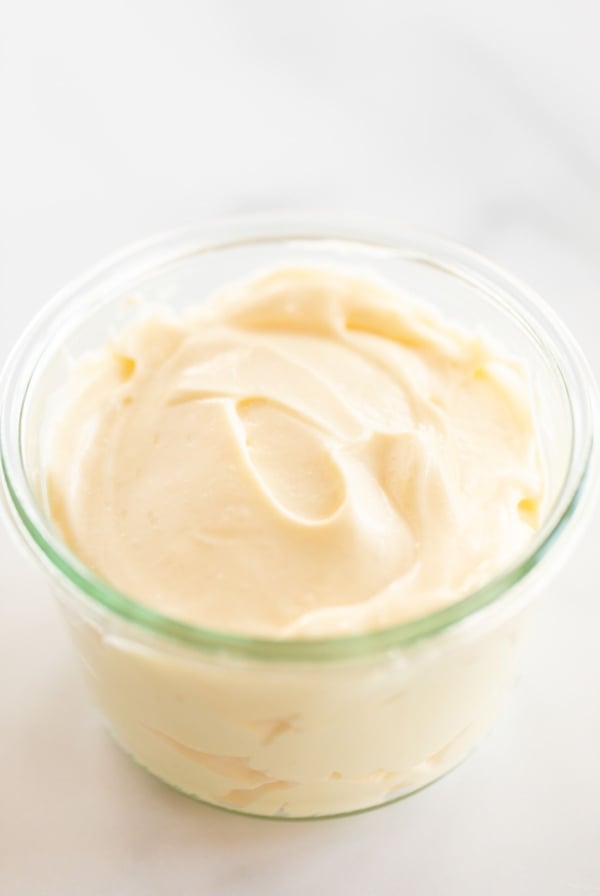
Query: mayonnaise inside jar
{"type": "Point", "coordinates": [310, 455]}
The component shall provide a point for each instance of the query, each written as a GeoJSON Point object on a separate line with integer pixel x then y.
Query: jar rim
{"type": "Point", "coordinates": [148, 257]}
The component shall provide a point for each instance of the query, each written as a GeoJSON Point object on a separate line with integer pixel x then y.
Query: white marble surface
{"type": "Point", "coordinates": [473, 119]}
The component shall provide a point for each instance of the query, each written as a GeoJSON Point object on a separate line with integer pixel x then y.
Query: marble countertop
{"type": "Point", "coordinates": [475, 120]}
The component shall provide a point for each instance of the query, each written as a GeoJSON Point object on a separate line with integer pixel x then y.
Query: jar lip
{"type": "Point", "coordinates": [149, 256]}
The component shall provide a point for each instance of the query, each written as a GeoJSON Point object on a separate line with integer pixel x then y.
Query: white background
{"type": "Point", "coordinates": [474, 119]}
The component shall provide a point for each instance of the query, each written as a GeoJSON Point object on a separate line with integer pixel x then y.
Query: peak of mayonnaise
{"type": "Point", "coordinates": [308, 455]}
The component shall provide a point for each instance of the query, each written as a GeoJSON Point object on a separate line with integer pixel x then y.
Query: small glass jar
{"type": "Point", "coordinates": [299, 728]}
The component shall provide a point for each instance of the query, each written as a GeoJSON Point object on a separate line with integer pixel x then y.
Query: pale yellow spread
{"type": "Point", "coordinates": [310, 454]}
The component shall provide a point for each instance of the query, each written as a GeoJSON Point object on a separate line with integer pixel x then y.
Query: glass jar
{"type": "Point", "coordinates": [317, 727]}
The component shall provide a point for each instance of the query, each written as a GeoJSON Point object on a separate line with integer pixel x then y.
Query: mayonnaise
{"type": "Point", "coordinates": [309, 455]}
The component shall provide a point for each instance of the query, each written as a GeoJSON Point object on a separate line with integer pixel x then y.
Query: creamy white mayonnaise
{"type": "Point", "coordinates": [310, 455]}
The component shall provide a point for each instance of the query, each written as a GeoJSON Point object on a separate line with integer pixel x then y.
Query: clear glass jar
{"type": "Point", "coordinates": [308, 727]}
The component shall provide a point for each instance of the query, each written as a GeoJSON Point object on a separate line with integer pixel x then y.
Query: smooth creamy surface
{"type": "Point", "coordinates": [307, 455]}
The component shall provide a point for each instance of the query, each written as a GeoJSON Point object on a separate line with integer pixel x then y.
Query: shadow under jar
{"type": "Point", "coordinates": [299, 728]}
